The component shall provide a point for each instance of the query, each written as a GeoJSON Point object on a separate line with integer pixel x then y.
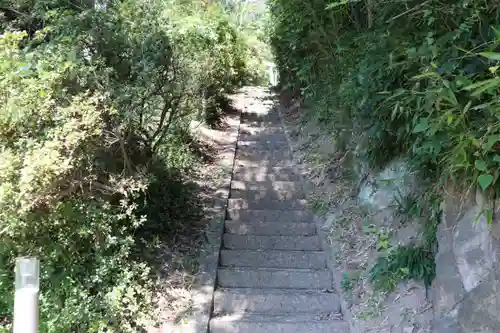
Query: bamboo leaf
{"type": "Point", "coordinates": [480, 84]}
{"type": "Point", "coordinates": [497, 32]}
{"type": "Point", "coordinates": [425, 75]}
{"type": "Point", "coordinates": [489, 216]}
{"type": "Point", "coordinates": [452, 98]}
{"type": "Point", "coordinates": [491, 55]}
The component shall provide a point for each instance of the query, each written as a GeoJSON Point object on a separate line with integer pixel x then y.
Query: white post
{"type": "Point", "coordinates": [275, 72]}
{"type": "Point", "coordinates": [273, 75]}
{"type": "Point", "coordinates": [26, 297]}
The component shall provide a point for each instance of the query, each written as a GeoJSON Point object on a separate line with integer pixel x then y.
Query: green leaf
{"type": "Point", "coordinates": [493, 84]}
{"type": "Point", "coordinates": [462, 81]}
{"type": "Point", "coordinates": [427, 74]}
{"type": "Point", "coordinates": [337, 4]}
{"type": "Point", "coordinates": [453, 99]}
{"type": "Point", "coordinates": [449, 118]}
{"type": "Point", "coordinates": [467, 107]}
{"type": "Point", "coordinates": [481, 106]}
{"type": "Point", "coordinates": [422, 126]}
{"type": "Point", "coordinates": [480, 165]}
{"type": "Point", "coordinates": [492, 139]}
{"type": "Point", "coordinates": [474, 141]}
{"type": "Point", "coordinates": [489, 216]}
{"type": "Point", "coordinates": [383, 244]}
{"type": "Point", "coordinates": [394, 111]}
{"type": "Point", "coordinates": [480, 84]}
{"type": "Point", "coordinates": [368, 229]}
{"type": "Point", "coordinates": [485, 180]}
{"type": "Point", "coordinates": [497, 32]}
{"type": "Point", "coordinates": [496, 158]}
{"type": "Point", "coordinates": [491, 55]}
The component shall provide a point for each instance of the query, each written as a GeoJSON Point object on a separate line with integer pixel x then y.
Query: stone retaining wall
{"type": "Point", "coordinates": [466, 290]}
{"type": "Point", "coordinates": [465, 295]}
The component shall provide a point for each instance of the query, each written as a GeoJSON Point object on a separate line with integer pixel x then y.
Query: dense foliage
{"type": "Point", "coordinates": [414, 78]}
{"type": "Point", "coordinates": [95, 104]}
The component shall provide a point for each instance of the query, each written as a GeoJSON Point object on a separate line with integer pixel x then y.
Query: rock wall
{"type": "Point", "coordinates": [465, 295]}
{"type": "Point", "coordinates": [466, 290]}
{"type": "Point", "coordinates": [366, 202]}
{"type": "Point", "coordinates": [407, 308]}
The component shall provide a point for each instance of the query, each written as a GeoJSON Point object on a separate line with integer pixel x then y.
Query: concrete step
{"type": "Point", "coordinates": [262, 173]}
{"type": "Point", "coordinates": [276, 137]}
{"type": "Point", "coordinates": [240, 203]}
{"type": "Point", "coordinates": [268, 161]}
{"type": "Point", "coordinates": [269, 228]}
{"type": "Point", "coordinates": [280, 185]}
{"type": "Point", "coordinates": [274, 301]}
{"type": "Point", "coordinates": [263, 145]}
{"type": "Point", "coordinates": [253, 242]}
{"type": "Point", "coordinates": [270, 215]}
{"type": "Point", "coordinates": [268, 196]}
{"type": "Point", "coordinates": [262, 161]}
{"type": "Point", "coordinates": [276, 259]}
{"type": "Point", "coordinates": [274, 278]}
{"type": "Point", "coordinates": [249, 116]}
{"type": "Point", "coordinates": [250, 133]}
{"type": "Point", "coordinates": [279, 190]}
{"type": "Point", "coordinates": [260, 126]}
{"type": "Point", "coordinates": [244, 323]}
{"type": "Point", "coordinates": [262, 152]}
{"type": "Point", "coordinates": [259, 121]}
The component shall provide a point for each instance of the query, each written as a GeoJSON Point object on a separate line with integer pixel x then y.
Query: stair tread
{"type": "Point", "coordinates": [265, 173]}
{"type": "Point", "coordinates": [286, 278]}
{"type": "Point", "coordinates": [270, 215]}
{"type": "Point", "coordinates": [252, 242]}
{"type": "Point", "coordinates": [241, 203]}
{"type": "Point", "coordinates": [273, 258]}
{"type": "Point", "coordinates": [276, 301]}
{"type": "Point", "coordinates": [269, 228]}
{"type": "Point", "coordinates": [241, 323]}
{"type": "Point", "coordinates": [267, 190]}
{"type": "Point", "coordinates": [297, 317]}
{"type": "Point", "coordinates": [272, 275]}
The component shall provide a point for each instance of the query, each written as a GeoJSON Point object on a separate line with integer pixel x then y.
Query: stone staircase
{"type": "Point", "coordinates": [272, 275]}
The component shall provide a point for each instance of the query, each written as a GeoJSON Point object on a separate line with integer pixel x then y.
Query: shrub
{"type": "Point", "coordinates": [95, 147]}
{"type": "Point", "coordinates": [413, 79]}
{"type": "Point", "coordinates": [418, 78]}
